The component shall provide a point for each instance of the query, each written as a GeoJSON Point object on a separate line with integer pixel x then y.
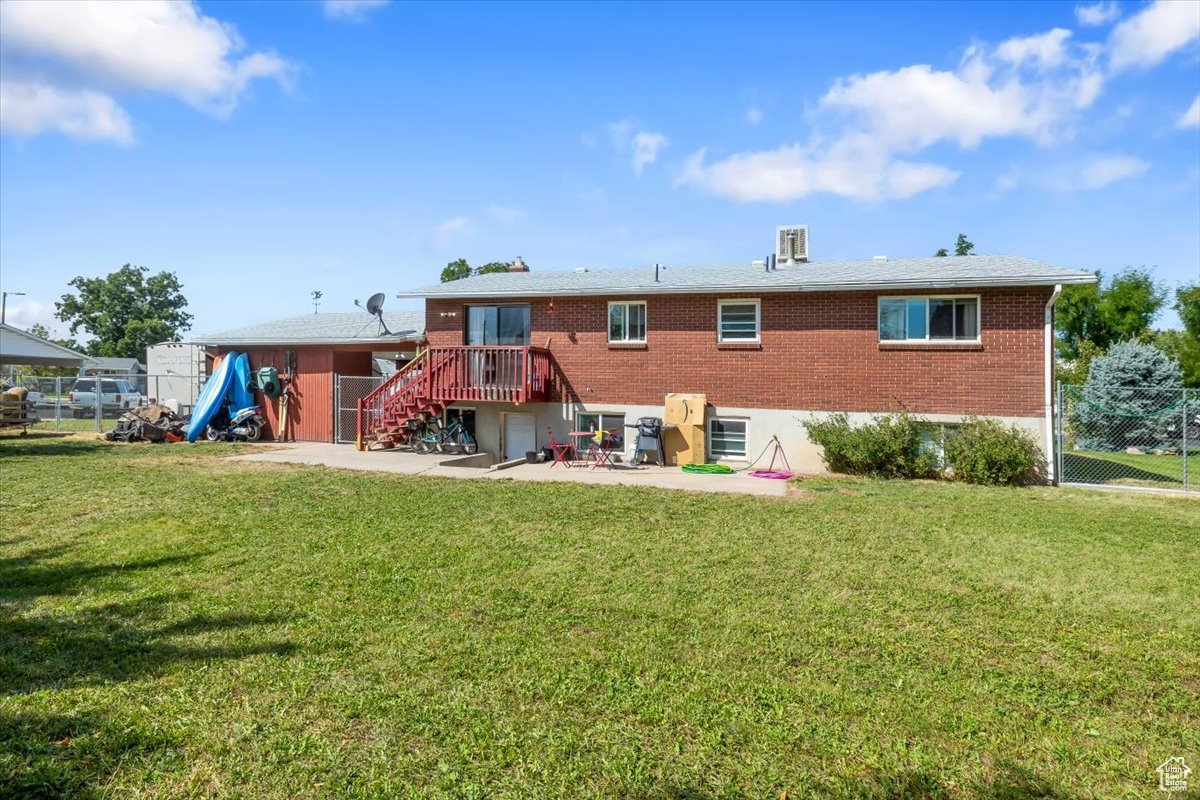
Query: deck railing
{"type": "Point", "coordinates": [443, 375]}
{"type": "Point", "coordinates": [489, 374]}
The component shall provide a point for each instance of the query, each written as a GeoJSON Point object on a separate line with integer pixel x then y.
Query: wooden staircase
{"type": "Point", "coordinates": [439, 376]}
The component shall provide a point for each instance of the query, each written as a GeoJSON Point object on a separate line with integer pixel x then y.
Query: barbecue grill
{"type": "Point", "coordinates": [649, 440]}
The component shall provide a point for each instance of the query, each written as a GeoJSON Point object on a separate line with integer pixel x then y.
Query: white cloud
{"type": "Point", "coordinates": [851, 169]}
{"type": "Point", "coordinates": [351, 10]}
{"type": "Point", "coordinates": [449, 231]}
{"type": "Point", "coordinates": [1043, 50]}
{"type": "Point", "coordinates": [506, 213]}
{"type": "Point", "coordinates": [96, 49]}
{"type": "Point", "coordinates": [28, 108]}
{"type": "Point", "coordinates": [25, 313]}
{"type": "Point", "coordinates": [1100, 172]}
{"type": "Point", "coordinates": [645, 149]}
{"type": "Point", "coordinates": [619, 133]}
{"type": "Point", "coordinates": [1152, 34]}
{"type": "Point", "coordinates": [1097, 14]}
{"type": "Point", "coordinates": [1191, 117]}
{"type": "Point", "coordinates": [644, 145]}
{"type": "Point", "coordinates": [754, 115]}
{"type": "Point", "coordinates": [1003, 184]}
{"type": "Point", "coordinates": [868, 127]}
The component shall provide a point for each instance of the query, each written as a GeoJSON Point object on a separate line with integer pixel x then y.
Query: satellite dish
{"type": "Point", "coordinates": [374, 307]}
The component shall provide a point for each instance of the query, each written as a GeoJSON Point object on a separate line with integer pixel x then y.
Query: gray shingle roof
{"type": "Point", "coordinates": [349, 328]}
{"type": "Point", "coordinates": [933, 273]}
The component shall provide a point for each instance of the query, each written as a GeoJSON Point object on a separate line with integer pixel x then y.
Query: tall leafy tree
{"type": "Point", "coordinates": [1104, 315]}
{"type": "Point", "coordinates": [456, 270]}
{"type": "Point", "coordinates": [126, 311]}
{"type": "Point", "coordinates": [962, 247]}
{"type": "Point", "coordinates": [459, 269]}
{"type": "Point", "coordinates": [494, 266]}
{"type": "Point", "coordinates": [1184, 345]}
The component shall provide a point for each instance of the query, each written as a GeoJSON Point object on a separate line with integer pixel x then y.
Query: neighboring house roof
{"type": "Point", "coordinates": [22, 347]}
{"type": "Point", "coordinates": [114, 364]}
{"type": "Point", "coordinates": [350, 328]}
{"type": "Point", "coordinates": [949, 272]}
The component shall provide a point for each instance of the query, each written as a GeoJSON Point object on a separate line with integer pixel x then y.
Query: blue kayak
{"type": "Point", "coordinates": [211, 397]}
{"type": "Point", "coordinates": [240, 395]}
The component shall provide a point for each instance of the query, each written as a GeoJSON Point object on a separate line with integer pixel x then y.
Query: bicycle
{"type": "Point", "coordinates": [452, 438]}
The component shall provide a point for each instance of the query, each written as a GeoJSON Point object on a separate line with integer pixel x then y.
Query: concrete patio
{"type": "Point", "coordinates": [400, 462]}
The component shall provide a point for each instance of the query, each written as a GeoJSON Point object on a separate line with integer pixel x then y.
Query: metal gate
{"type": "Point", "coordinates": [1129, 436]}
{"type": "Point", "coordinates": [347, 391]}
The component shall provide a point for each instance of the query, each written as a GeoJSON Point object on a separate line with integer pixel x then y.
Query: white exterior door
{"type": "Point", "coordinates": [520, 435]}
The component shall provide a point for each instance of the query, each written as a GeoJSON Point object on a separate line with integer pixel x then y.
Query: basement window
{"type": "Point", "coordinates": [929, 319]}
{"type": "Point", "coordinates": [727, 438]}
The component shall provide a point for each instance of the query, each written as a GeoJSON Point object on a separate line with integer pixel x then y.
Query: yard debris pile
{"type": "Point", "coordinates": [156, 423]}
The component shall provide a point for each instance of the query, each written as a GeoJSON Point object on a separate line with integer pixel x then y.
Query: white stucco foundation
{"type": "Point", "coordinates": [762, 424]}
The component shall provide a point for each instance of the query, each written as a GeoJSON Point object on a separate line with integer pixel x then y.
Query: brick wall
{"type": "Point", "coordinates": [819, 352]}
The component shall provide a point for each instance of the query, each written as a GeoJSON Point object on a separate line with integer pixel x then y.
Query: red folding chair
{"type": "Point", "coordinates": [560, 450]}
{"type": "Point", "coordinates": [603, 449]}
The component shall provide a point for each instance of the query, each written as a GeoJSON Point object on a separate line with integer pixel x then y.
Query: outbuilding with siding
{"type": "Point", "coordinates": [326, 346]}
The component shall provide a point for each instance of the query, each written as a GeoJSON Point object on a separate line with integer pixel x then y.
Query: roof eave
{"type": "Point", "coordinates": [964, 283]}
{"type": "Point", "coordinates": [302, 342]}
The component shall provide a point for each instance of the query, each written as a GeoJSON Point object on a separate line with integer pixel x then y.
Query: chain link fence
{"type": "Point", "coordinates": [93, 403]}
{"type": "Point", "coordinates": [1134, 436]}
{"type": "Point", "coordinates": [347, 391]}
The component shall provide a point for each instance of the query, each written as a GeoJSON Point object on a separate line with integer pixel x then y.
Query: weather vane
{"type": "Point", "coordinates": [316, 300]}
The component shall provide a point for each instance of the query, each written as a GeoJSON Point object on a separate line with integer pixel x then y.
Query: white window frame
{"type": "Point", "coordinates": [601, 415]}
{"type": "Point", "coordinates": [743, 301]}
{"type": "Point", "coordinates": [726, 456]}
{"type": "Point", "coordinates": [608, 321]}
{"type": "Point", "coordinates": [927, 297]}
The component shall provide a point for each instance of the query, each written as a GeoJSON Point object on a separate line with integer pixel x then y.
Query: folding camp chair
{"type": "Point", "coordinates": [560, 450]}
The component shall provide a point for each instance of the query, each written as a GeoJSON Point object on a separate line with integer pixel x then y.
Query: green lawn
{"type": "Point", "coordinates": [1091, 466]}
{"type": "Point", "coordinates": [172, 625]}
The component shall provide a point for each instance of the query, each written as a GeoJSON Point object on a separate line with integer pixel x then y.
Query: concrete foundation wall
{"type": "Point", "coordinates": [762, 424]}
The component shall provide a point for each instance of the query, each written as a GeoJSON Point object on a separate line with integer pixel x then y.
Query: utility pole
{"type": "Point", "coordinates": [4, 303]}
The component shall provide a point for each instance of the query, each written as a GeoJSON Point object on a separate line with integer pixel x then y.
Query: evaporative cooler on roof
{"type": "Point", "coordinates": [791, 243]}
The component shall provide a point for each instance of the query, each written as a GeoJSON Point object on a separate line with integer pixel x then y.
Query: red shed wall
{"type": "Point", "coordinates": [819, 352]}
{"type": "Point", "coordinates": [310, 407]}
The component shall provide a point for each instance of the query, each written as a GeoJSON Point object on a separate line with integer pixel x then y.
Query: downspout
{"type": "Point", "coordinates": [1050, 461]}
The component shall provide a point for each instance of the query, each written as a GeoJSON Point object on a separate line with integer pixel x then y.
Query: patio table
{"type": "Point", "coordinates": [584, 442]}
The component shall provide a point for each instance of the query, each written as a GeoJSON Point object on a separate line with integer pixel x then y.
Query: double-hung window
{"type": "Point", "coordinates": [738, 320]}
{"type": "Point", "coordinates": [627, 322]}
{"type": "Point", "coordinates": [929, 319]}
{"type": "Point", "coordinates": [727, 438]}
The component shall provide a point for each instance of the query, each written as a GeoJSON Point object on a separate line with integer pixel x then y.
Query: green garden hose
{"type": "Point", "coordinates": [709, 469]}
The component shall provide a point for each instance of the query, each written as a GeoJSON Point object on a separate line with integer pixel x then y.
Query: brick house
{"type": "Point", "coordinates": [768, 344]}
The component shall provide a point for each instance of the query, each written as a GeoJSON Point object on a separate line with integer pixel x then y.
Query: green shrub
{"type": "Point", "coordinates": [888, 447]}
{"type": "Point", "coordinates": [989, 452]}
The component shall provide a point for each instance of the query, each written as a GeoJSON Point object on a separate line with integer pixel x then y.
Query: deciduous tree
{"type": "Point", "coordinates": [126, 311]}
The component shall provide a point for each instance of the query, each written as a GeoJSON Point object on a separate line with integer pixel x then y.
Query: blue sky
{"type": "Point", "coordinates": [264, 150]}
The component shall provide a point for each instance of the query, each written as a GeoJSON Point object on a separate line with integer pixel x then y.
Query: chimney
{"type": "Point", "coordinates": [518, 266]}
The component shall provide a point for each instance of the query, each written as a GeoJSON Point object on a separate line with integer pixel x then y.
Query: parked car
{"type": "Point", "coordinates": [115, 393]}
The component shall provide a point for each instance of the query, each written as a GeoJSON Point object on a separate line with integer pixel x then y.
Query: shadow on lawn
{"type": "Point", "coordinates": [1011, 782]}
{"type": "Point", "coordinates": [50, 444]}
{"type": "Point", "coordinates": [54, 647]}
{"type": "Point", "coordinates": [66, 755]}
{"type": "Point", "coordinates": [1094, 469]}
